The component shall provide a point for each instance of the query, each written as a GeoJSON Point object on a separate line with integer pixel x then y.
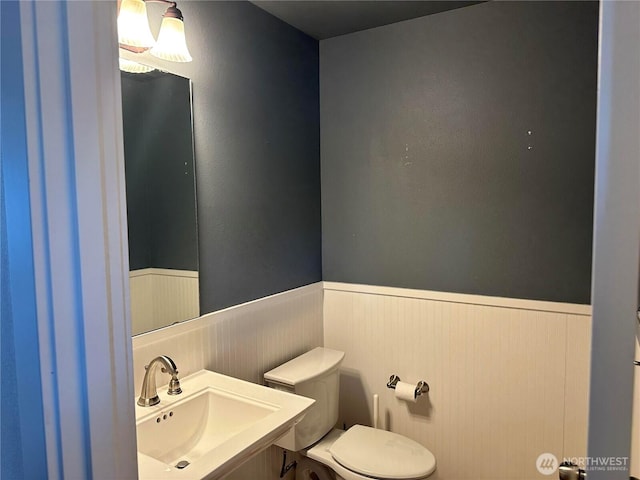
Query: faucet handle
{"type": "Point", "coordinates": [174, 385]}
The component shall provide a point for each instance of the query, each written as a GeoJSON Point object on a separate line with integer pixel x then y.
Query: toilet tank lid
{"type": "Point", "coordinates": [307, 366]}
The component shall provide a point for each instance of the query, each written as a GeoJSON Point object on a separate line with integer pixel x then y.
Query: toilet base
{"type": "Point", "coordinates": [308, 469]}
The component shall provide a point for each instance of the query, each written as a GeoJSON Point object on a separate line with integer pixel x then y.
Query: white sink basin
{"type": "Point", "coordinates": [216, 424]}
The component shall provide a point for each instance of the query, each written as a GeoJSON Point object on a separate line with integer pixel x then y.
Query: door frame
{"type": "Point", "coordinates": [73, 111]}
{"type": "Point", "coordinates": [616, 239]}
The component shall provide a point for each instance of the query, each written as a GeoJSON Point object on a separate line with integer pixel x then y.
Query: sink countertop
{"type": "Point", "coordinates": [288, 409]}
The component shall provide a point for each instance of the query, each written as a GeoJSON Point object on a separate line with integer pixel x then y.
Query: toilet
{"type": "Point", "coordinates": [327, 453]}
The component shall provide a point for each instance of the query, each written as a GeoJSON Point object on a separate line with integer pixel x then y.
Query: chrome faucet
{"type": "Point", "coordinates": [149, 394]}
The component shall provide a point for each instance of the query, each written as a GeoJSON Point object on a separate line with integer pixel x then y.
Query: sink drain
{"type": "Point", "coordinates": [182, 464]}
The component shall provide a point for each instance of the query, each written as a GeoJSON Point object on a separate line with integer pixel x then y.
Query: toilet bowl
{"type": "Point", "coordinates": [360, 453]}
{"type": "Point", "coordinates": [364, 453]}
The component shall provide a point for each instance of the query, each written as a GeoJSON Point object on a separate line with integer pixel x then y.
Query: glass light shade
{"type": "Point", "coordinates": [133, 25]}
{"type": "Point", "coordinates": [133, 67]}
{"type": "Point", "coordinates": [171, 44]}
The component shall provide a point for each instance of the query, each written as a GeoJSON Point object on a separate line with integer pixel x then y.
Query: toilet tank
{"type": "Point", "coordinates": [316, 375]}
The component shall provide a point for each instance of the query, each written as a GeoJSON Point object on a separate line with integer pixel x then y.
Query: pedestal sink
{"type": "Point", "coordinates": [216, 424]}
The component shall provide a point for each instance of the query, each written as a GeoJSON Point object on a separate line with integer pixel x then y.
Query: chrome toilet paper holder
{"type": "Point", "coordinates": [421, 386]}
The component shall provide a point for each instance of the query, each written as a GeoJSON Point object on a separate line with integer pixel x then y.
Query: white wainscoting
{"type": "Point", "coordinates": [161, 297]}
{"type": "Point", "coordinates": [509, 378]}
{"type": "Point", "coordinates": [243, 341]}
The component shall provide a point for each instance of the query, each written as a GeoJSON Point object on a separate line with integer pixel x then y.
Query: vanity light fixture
{"type": "Point", "coordinates": [171, 44]}
{"type": "Point", "coordinates": [133, 67]}
{"type": "Point", "coordinates": [134, 33]}
{"type": "Point", "coordinates": [133, 26]}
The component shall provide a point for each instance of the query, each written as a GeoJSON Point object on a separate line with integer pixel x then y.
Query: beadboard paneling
{"type": "Point", "coordinates": [243, 341]}
{"type": "Point", "coordinates": [161, 297]}
{"type": "Point", "coordinates": [576, 385]}
{"type": "Point", "coordinates": [508, 382]}
{"type": "Point", "coordinates": [498, 375]}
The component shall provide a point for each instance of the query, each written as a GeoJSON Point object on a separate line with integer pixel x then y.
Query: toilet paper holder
{"type": "Point", "coordinates": [421, 386]}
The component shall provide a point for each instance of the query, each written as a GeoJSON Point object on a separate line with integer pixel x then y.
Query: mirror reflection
{"type": "Point", "coordinates": [161, 202]}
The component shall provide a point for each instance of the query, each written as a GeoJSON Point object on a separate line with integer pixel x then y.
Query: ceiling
{"type": "Point", "coordinates": [330, 18]}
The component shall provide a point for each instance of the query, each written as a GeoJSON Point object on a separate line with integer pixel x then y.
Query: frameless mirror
{"type": "Point", "coordinates": [161, 200]}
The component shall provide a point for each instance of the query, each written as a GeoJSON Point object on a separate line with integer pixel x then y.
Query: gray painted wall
{"type": "Point", "coordinates": [22, 436]}
{"type": "Point", "coordinates": [11, 433]}
{"type": "Point", "coordinates": [256, 127]}
{"type": "Point", "coordinates": [427, 179]}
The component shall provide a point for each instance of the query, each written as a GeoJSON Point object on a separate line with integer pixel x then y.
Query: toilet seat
{"type": "Point", "coordinates": [380, 454]}
{"type": "Point", "coordinates": [364, 453]}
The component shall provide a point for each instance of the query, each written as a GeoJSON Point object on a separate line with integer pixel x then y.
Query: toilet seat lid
{"type": "Point", "coordinates": [381, 454]}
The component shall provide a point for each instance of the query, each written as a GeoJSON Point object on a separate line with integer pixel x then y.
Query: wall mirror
{"type": "Point", "coordinates": [161, 199]}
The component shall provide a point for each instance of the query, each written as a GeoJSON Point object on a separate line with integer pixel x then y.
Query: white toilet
{"type": "Point", "coordinates": [360, 453]}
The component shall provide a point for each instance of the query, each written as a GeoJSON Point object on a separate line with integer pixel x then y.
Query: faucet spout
{"type": "Point", "coordinates": [149, 393]}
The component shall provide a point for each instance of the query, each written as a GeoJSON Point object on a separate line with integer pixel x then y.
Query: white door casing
{"type": "Point", "coordinates": [75, 155]}
{"type": "Point", "coordinates": [616, 236]}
